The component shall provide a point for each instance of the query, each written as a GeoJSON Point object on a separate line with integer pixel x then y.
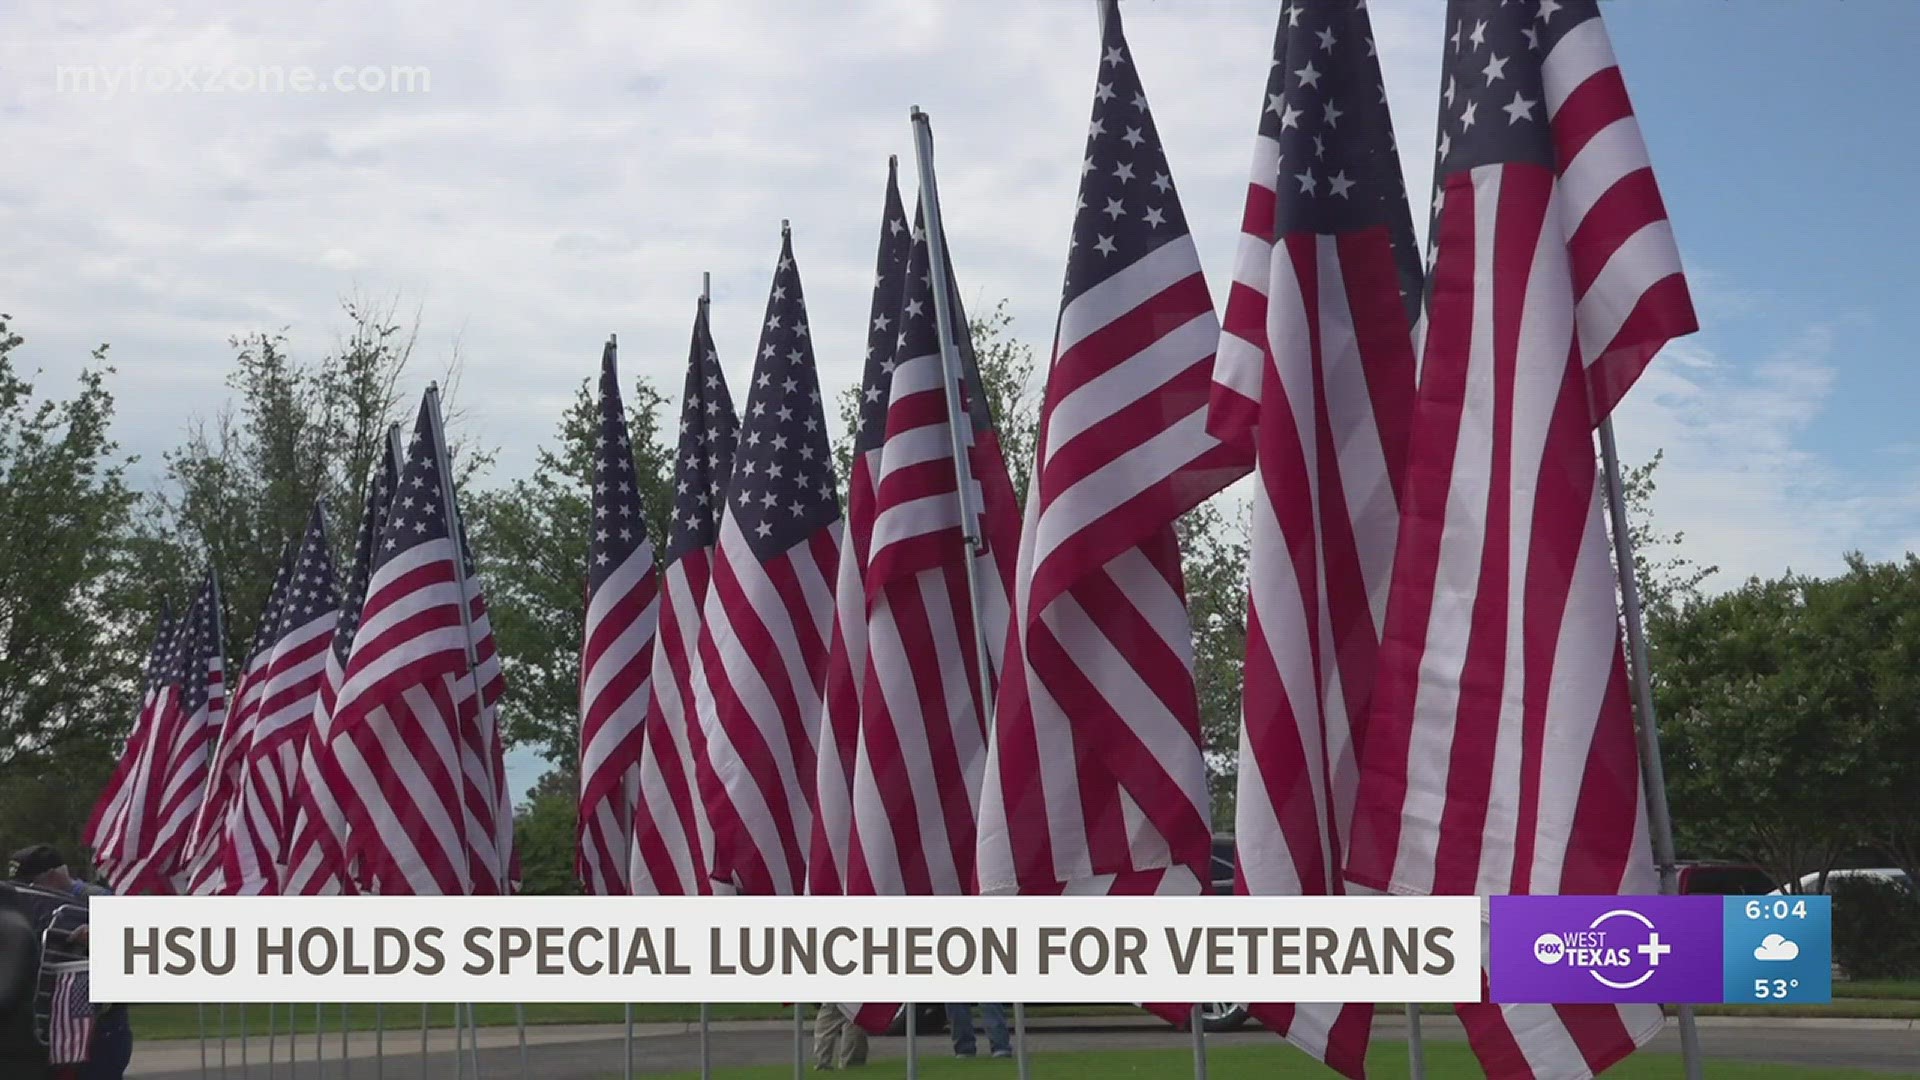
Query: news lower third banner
{"type": "Point", "coordinates": [1040, 949]}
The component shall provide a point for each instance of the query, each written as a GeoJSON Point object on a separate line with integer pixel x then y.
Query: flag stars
{"type": "Point", "coordinates": [1114, 211]}
{"type": "Point", "coordinates": [1496, 68]}
{"type": "Point", "coordinates": [1308, 76]}
{"type": "Point", "coordinates": [1338, 184]}
{"type": "Point", "coordinates": [1520, 108]}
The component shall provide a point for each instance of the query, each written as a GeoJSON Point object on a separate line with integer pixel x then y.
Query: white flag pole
{"type": "Point", "coordinates": [952, 373]}
{"type": "Point", "coordinates": [1416, 1048]}
{"type": "Point", "coordinates": [1652, 772]}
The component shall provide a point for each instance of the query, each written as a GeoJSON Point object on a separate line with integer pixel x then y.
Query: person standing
{"type": "Point", "coordinates": [838, 1042]}
{"type": "Point", "coordinates": [960, 1021]}
{"type": "Point", "coordinates": [111, 1049]}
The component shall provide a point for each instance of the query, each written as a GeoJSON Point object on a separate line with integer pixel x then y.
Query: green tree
{"type": "Point", "coordinates": [1791, 717]}
{"type": "Point", "coordinates": [71, 617]}
{"type": "Point", "coordinates": [1214, 550]}
{"type": "Point", "coordinates": [531, 540]}
{"type": "Point", "coordinates": [544, 831]}
{"type": "Point", "coordinates": [240, 486]}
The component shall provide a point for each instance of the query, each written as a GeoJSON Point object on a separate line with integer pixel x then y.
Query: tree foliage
{"type": "Point", "coordinates": [1790, 714]}
{"type": "Point", "coordinates": [239, 488]}
{"type": "Point", "coordinates": [69, 630]}
{"type": "Point", "coordinates": [544, 831]}
{"type": "Point", "coordinates": [531, 539]}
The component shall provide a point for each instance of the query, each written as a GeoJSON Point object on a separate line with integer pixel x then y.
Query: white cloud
{"type": "Point", "coordinates": [1738, 477]}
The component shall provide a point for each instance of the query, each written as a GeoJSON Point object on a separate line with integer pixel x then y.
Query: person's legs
{"type": "Point", "coordinates": [853, 1045]}
{"type": "Point", "coordinates": [112, 1048]}
{"type": "Point", "coordinates": [827, 1022]}
{"type": "Point", "coordinates": [995, 1016]}
{"type": "Point", "coordinates": [960, 1024]}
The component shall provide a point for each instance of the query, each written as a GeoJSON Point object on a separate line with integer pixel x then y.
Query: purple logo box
{"type": "Point", "coordinates": [1571, 949]}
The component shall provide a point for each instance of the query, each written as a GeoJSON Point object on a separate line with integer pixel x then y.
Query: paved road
{"type": "Point", "coordinates": [596, 1052]}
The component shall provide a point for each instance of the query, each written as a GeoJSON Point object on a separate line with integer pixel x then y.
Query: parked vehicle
{"type": "Point", "coordinates": [1214, 1015]}
{"type": "Point", "coordinates": [1724, 879]}
{"type": "Point", "coordinates": [1811, 883]}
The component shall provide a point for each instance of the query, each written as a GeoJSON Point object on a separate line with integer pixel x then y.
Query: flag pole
{"type": "Point", "coordinates": [1416, 1046]}
{"type": "Point", "coordinates": [423, 1041]}
{"type": "Point", "coordinates": [223, 1039]}
{"type": "Point", "coordinates": [799, 1045]}
{"type": "Point", "coordinates": [1652, 770]}
{"type": "Point", "coordinates": [379, 1041]}
{"type": "Point", "coordinates": [319, 1038]}
{"type": "Point", "coordinates": [273, 1049]}
{"type": "Point", "coordinates": [706, 1040]}
{"type": "Point", "coordinates": [457, 534]}
{"type": "Point", "coordinates": [200, 1014]}
{"type": "Point", "coordinates": [951, 375]}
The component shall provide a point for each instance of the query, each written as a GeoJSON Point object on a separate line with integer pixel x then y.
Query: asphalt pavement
{"type": "Point", "coordinates": [597, 1052]}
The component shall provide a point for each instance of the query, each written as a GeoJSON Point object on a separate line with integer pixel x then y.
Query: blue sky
{"type": "Point", "coordinates": [571, 170]}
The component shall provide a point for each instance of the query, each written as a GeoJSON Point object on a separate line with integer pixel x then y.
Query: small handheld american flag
{"type": "Point", "coordinates": [70, 1030]}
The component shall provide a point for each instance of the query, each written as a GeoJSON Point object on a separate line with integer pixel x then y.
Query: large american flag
{"type": "Point", "coordinates": [839, 741]}
{"type": "Point", "coordinates": [170, 781]}
{"type": "Point", "coordinates": [315, 851]}
{"type": "Point", "coordinates": [70, 1019]}
{"type": "Point", "coordinates": [260, 821]}
{"type": "Point", "coordinates": [1500, 756]}
{"type": "Point", "coordinates": [1095, 780]}
{"type": "Point", "coordinates": [1316, 367]}
{"type": "Point", "coordinates": [420, 749]}
{"type": "Point", "coordinates": [673, 836]}
{"type": "Point", "coordinates": [616, 652]}
{"type": "Point", "coordinates": [769, 612]}
{"type": "Point", "coordinates": [109, 811]}
{"type": "Point", "coordinates": [207, 873]}
{"type": "Point", "coordinates": [923, 726]}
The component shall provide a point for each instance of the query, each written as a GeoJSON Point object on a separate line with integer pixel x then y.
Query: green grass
{"type": "Point", "coordinates": [1445, 1061]}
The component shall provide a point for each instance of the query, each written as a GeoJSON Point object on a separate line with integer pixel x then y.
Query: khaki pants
{"type": "Point", "coordinates": [838, 1042]}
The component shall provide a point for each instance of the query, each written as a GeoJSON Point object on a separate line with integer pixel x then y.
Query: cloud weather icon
{"type": "Point", "coordinates": [1776, 947]}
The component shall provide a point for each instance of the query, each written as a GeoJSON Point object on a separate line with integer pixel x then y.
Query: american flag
{"type": "Point", "coordinates": [673, 836]}
{"type": "Point", "coordinates": [847, 656]}
{"type": "Point", "coordinates": [1095, 781]}
{"type": "Point", "coordinates": [616, 653]}
{"type": "Point", "coordinates": [303, 630]}
{"type": "Point", "coordinates": [1316, 367]}
{"type": "Point", "coordinates": [923, 728]}
{"type": "Point", "coordinates": [170, 781]}
{"type": "Point", "coordinates": [109, 811]}
{"type": "Point", "coordinates": [1500, 756]}
{"type": "Point", "coordinates": [70, 1027]}
{"type": "Point", "coordinates": [216, 814]}
{"type": "Point", "coordinates": [769, 613]}
{"type": "Point", "coordinates": [315, 853]}
{"type": "Point", "coordinates": [419, 747]}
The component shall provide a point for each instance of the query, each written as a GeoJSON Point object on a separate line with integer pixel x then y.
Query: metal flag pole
{"type": "Point", "coordinates": [319, 1039]}
{"type": "Point", "coordinates": [423, 1041]}
{"type": "Point", "coordinates": [1652, 772]}
{"type": "Point", "coordinates": [1416, 1047]}
{"type": "Point", "coordinates": [455, 534]}
{"type": "Point", "coordinates": [473, 1038]}
{"type": "Point", "coordinates": [346, 1069]}
{"type": "Point", "coordinates": [706, 1048]}
{"type": "Point", "coordinates": [379, 1041]}
{"type": "Point", "coordinates": [520, 1027]}
{"type": "Point", "coordinates": [1198, 1024]}
{"type": "Point", "coordinates": [223, 1038]}
{"type": "Point", "coordinates": [459, 1042]}
{"type": "Point", "coordinates": [799, 1048]}
{"type": "Point", "coordinates": [273, 1049]}
{"type": "Point", "coordinates": [913, 1040]}
{"type": "Point", "coordinates": [200, 1015]}
{"type": "Point", "coordinates": [706, 1013]}
{"type": "Point", "coordinates": [243, 1040]}
{"type": "Point", "coordinates": [951, 375]}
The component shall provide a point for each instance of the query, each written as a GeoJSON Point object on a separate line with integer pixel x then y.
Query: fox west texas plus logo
{"type": "Point", "coordinates": [1604, 949]}
{"type": "Point", "coordinates": [1621, 949]}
